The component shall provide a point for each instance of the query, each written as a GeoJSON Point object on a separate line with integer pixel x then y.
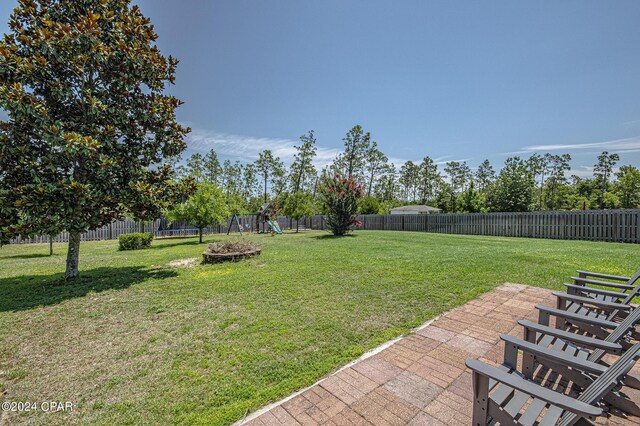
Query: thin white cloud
{"type": "Point", "coordinates": [513, 153]}
{"type": "Point", "coordinates": [586, 171]}
{"type": "Point", "coordinates": [398, 162]}
{"type": "Point", "coordinates": [583, 171]}
{"type": "Point", "coordinates": [618, 145]}
{"type": "Point", "coordinates": [247, 148]}
{"type": "Point", "coordinates": [442, 160]}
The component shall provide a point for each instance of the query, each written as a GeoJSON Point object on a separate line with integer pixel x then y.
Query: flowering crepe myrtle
{"type": "Point", "coordinates": [340, 196]}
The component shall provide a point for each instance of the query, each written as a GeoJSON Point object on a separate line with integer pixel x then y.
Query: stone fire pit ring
{"type": "Point", "coordinates": [209, 257]}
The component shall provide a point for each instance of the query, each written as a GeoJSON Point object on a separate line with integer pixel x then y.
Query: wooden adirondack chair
{"type": "Point", "coordinates": [587, 277]}
{"type": "Point", "coordinates": [502, 395]}
{"type": "Point", "coordinates": [608, 304]}
{"type": "Point", "coordinates": [585, 301]}
{"type": "Point", "coordinates": [576, 357]}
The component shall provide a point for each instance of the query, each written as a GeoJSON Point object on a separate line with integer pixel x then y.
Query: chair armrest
{"type": "Point", "coordinates": [584, 274]}
{"type": "Point", "coordinates": [551, 397]}
{"type": "Point", "coordinates": [581, 281]}
{"type": "Point", "coordinates": [559, 357]}
{"type": "Point", "coordinates": [572, 337]}
{"type": "Point", "coordinates": [595, 302]}
{"type": "Point", "coordinates": [577, 317]}
{"type": "Point", "coordinates": [583, 289]}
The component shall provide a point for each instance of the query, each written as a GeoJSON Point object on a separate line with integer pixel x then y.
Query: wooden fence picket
{"type": "Point", "coordinates": [596, 225]}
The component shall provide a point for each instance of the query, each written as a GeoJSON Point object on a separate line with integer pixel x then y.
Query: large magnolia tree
{"type": "Point", "coordinates": [89, 129]}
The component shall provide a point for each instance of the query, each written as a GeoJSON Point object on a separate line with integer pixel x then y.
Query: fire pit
{"type": "Point", "coordinates": [229, 251]}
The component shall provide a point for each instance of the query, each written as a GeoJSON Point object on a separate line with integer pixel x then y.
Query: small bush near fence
{"type": "Point", "coordinates": [135, 240]}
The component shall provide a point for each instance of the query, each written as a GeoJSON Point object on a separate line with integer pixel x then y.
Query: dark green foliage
{"type": "Point", "coordinates": [513, 191]}
{"type": "Point", "coordinates": [446, 198]}
{"type": "Point", "coordinates": [298, 205]}
{"type": "Point", "coordinates": [429, 179]}
{"type": "Point", "coordinates": [459, 175]}
{"type": "Point", "coordinates": [376, 162]}
{"type": "Point", "coordinates": [370, 205]}
{"type": "Point", "coordinates": [90, 131]}
{"type": "Point", "coordinates": [352, 161]}
{"type": "Point", "coordinates": [485, 175]}
{"type": "Point", "coordinates": [628, 187]}
{"type": "Point", "coordinates": [602, 171]}
{"type": "Point", "coordinates": [302, 169]}
{"type": "Point", "coordinates": [271, 170]}
{"type": "Point", "coordinates": [557, 165]}
{"type": "Point", "coordinates": [445, 186]}
{"type": "Point", "coordinates": [471, 201]}
{"type": "Point", "coordinates": [207, 206]}
{"type": "Point", "coordinates": [135, 240]}
{"type": "Point", "coordinates": [409, 180]}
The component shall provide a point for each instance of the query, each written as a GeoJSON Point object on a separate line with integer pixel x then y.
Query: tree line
{"type": "Point", "coordinates": [539, 182]}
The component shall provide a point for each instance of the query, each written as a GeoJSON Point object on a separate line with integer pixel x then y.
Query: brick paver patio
{"type": "Point", "coordinates": [420, 379]}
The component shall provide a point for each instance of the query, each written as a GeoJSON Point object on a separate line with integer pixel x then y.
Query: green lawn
{"type": "Point", "coordinates": [138, 341]}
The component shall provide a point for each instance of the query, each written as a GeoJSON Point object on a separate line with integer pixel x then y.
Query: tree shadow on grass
{"type": "Point", "coordinates": [178, 243]}
{"type": "Point", "coordinates": [32, 291]}
{"type": "Point", "coordinates": [331, 236]}
{"type": "Point", "coordinates": [27, 256]}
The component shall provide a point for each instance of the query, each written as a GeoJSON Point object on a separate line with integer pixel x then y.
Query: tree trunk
{"type": "Point", "coordinates": [141, 226]}
{"type": "Point", "coordinates": [373, 172]}
{"type": "Point", "coordinates": [72, 256]}
{"type": "Point", "coordinates": [297, 224]}
{"type": "Point", "coordinates": [50, 245]}
{"type": "Point", "coordinates": [266, 176]}
{"type": "Point", "coordinates": [541, 199]}
{"type": "Point", "coordinates": [200, 234]}
{"type": "Point", "coordinates": [298, 179]}
{"type": "Point", "coordinates": [315, 187]}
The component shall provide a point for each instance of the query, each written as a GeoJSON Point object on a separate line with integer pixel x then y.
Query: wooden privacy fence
{"type": "Point", "coordinates": [594, 225]}
{"type": "Point", "coordinates": [160, 227]}
{"type": "Point", "coordinates": [108, 232]}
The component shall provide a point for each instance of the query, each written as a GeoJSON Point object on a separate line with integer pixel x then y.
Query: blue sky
{"type": "Point", "coordinates": [452, 80]}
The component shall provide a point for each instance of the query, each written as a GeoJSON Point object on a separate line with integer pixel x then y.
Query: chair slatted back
{"type": "Point", "coordinates": [605, 382]}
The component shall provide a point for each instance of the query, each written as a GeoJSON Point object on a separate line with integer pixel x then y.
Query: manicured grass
{"type": "Point", "coordinates": [138, 341]}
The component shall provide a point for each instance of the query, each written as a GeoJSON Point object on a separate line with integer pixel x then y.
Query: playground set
{"type": "Point", "coordinates": [263, 216]}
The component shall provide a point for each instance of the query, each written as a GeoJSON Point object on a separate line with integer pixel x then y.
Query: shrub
{"type": "Point", "coordinates": [370, 205]}
{"type": "Point", "coordinates": [135, 240]}
{"type": "Point", "coordinates": [340, 196]}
